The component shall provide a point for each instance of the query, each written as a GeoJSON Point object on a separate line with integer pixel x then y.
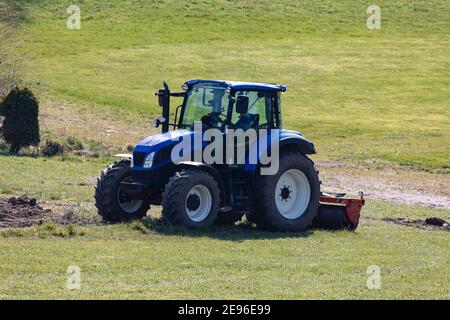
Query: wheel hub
{"type": "Point", "coordinates": [127, 204]}
{"type": "Point", "coordinates": [123, 197]}
{"type": "Point", "coordinates": [198, 203]}
{"type": "Point", "coordinates": [292, 194]}
{"type": "Point", "coordinates": [193, 202]}
{"type": "Point", "coordinates": [285, 193]}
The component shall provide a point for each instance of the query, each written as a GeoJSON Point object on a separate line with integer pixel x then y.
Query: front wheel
{"type": "Point", "coordinates": [288, 200]}
{"type": "Point", "coordinates": [112, 202]}
{"type": "Point", "coordinates": [191, 199]}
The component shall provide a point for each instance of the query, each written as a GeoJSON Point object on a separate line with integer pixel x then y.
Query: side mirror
{"type": "Point", "coordinates": [158, 121]}
{"type": "Point", "coordinates": [242, 104]}
{"type": "Point", "coordinates": [160, 95]}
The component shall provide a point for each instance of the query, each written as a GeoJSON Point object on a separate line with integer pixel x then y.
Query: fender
{"type": "Point", "coordinates": [298, 142]}
{"type": "Point", "coordinates": [209, 169]}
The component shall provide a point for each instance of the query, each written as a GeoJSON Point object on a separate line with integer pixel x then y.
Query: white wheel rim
{"type": "Point", "coordinates": [292, 194]}
{"type": "Point", "coordinates": [130, 206]}
{"type": "Point", "coordinates": [199, 211]}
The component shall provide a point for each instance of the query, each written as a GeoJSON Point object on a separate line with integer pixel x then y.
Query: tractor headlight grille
{"type": "Point", "coordinates": [149, 160]}
{"type": "Point", "coordinates": [138, 158]}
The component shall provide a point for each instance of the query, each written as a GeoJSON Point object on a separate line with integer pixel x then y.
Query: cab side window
{"type": "Point", "coordinates": [260, 105]}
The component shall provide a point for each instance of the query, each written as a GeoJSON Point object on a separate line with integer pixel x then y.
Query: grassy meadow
{"type": "Point", "coordinates": [146, 260]}
{"type": "Point", "coordinates": [362, 96]}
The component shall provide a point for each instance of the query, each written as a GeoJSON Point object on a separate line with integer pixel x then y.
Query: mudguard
{"type": "Point", "coordinates": [292, 138]}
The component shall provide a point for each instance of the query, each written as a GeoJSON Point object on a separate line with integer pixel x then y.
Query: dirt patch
{"type": "Point", "coordinates": [23, 212]}
{"type": "Point", "coordinates": [432, 223]}
{"type": "Point", "coordinates": [392, 184]}
{"type": "Point", "coordinates": [20, 212]}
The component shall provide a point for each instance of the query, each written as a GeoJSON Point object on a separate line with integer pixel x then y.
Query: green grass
{"type": "Point", "coordinates": [359, 94]}
{"type": "Point", "coordinates": [67, 178]}
{"type": "Point", "coordinates": [149, 260]}
{"type": "Point", "coordinates": [152, 261]}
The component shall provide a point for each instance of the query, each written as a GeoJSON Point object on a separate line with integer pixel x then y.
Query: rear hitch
{"type": "Point", "coordinates": [339, 213]}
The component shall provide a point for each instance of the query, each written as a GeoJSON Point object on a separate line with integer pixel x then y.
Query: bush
{"type": "Point", "coordinates": [52, 148]}
{"type": "Point", "coordinates": [21, 124]}
{"type": "Point", "coordinates": [73, 144]}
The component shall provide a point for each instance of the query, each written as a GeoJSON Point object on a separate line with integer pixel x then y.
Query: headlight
{"type": "Point", "coordinates": [149, 160]}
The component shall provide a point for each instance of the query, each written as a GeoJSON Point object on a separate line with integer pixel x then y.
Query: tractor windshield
{"type": "Point", "coordinates": [205, 99]}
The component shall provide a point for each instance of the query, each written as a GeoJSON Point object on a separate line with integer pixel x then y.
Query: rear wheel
{"type": "Point", "coordinates": [191, 199]}
{"type": "Point", "coordinates": [112, 202]}
{"type": "Point", "coordinates": [288, 200]}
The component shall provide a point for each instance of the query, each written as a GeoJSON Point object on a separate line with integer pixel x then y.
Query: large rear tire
{"type": "Point", "coordinates": [112, 203]}
{"type": "Point", "coordinates": [191, 199]}
{"type": "Point", "coordinates": [288, 200]}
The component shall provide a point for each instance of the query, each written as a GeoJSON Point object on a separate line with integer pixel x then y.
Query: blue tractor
{"type": "Point", "coordinates": [197, 194]}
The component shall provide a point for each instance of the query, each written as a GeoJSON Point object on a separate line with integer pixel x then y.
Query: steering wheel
{"type": "Point", "coordinates": [212, 120]}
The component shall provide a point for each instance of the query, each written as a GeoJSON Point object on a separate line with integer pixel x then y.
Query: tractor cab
{"type": "Point", "coordinates": [220, 104]}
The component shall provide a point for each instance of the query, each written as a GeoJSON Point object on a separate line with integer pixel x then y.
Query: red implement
{"type": "Point", "coordinates": [337, 212]}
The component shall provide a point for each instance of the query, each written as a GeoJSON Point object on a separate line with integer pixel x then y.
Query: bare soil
{"type": "Point", "coordinates": [18, 212]}
{"type": "Point", "coordinates": [392, 184]}
{"type": "Point", "coordinates": [23, 212]}
{"type": "Point", "coordinates": [432, 223]}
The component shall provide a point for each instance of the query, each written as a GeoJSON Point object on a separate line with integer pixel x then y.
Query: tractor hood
{"type": "Point", "coordinates": [162, 140]}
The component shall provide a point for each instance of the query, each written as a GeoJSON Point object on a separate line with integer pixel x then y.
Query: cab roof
{"type": "Point", "coordinates": [239, 85]}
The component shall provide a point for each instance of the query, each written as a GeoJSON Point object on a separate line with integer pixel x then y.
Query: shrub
{"type": "Point", "coordinates": [71, 230]}
{"type": "Point", "coordinates": [52, 148]}
{"type": "Point", "coordinates": [21, 124]}
{"type": "Point", "coordinates": [73, 144]}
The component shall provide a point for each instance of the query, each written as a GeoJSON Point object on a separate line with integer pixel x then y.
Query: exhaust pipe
{"type": "Point", "coordinates": [164, 102]}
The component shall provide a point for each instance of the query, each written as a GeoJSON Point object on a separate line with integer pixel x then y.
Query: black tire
{"type": "Point", "coordinates": [175, 198]}
{"type": "Point", "coordinates": [228, 218]}
{"type": "Point", "coordinates": [107, 198]}
{"type": "Point", "coordinates": [267, 215]}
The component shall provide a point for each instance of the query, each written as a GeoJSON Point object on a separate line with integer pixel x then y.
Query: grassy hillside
{"type": "Point", "coordinates": [360, 94]}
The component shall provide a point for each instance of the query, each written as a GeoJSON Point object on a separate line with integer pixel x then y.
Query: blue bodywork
{"type": "Point", "coordinates": [161, 141]}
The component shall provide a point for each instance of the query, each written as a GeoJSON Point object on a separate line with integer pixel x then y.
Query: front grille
{"type": "Point", "coordinates": [139, 158]}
